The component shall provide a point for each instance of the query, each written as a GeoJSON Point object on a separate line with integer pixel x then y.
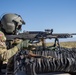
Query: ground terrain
{"type": "Point", "coordinates": [69, 44]}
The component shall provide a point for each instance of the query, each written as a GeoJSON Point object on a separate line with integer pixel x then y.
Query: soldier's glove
{"type": "Point", "coordinates": [23, 44]}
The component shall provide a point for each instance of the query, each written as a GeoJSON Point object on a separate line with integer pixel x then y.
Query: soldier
{"type": "Point", "coordinates": [11, 24]}
{"type": "Point", "coordinates": [5, 54]}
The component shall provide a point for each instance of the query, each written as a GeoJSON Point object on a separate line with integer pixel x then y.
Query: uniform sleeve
{"type": "Point", "coordinates": [11, 52]}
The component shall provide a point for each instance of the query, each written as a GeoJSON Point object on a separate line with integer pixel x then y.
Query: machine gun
{"type": "Point", "coordinates": [40, 36]}
{"type": "Point", "coordinates": [33, 35]}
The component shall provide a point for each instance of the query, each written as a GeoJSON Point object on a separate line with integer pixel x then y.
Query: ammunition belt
{"type": "Point", "coordinates": [64, 60]}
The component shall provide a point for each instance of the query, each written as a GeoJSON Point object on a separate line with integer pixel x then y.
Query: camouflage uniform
{"type": "Point", "coordinates": [5, 54]}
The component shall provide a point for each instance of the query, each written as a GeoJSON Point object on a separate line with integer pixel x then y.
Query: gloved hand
{"type": "Point", "coordinates": [23, 44]}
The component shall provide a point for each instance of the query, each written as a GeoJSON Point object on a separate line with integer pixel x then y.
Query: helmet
{"type": "Point", "coordinates": [11, 23]}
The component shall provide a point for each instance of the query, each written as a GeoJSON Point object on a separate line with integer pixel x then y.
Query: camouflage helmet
{"type": "Point", "coordinates": [11, 22]}
{"type": "Point", "coordinates": [2, 36]}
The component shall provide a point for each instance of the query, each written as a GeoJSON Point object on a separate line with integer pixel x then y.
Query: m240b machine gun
{"type": "Point", "coordinates": [39, 36]}
{"type": "Point", "coordinates": [34, 35]}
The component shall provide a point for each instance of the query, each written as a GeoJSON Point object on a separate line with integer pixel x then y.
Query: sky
{"type": "Point", "coordinates": [59, 15]}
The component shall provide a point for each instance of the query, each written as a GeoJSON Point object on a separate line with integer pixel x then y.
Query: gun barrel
{"type": "Point", "coordinates": [73, 34]}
